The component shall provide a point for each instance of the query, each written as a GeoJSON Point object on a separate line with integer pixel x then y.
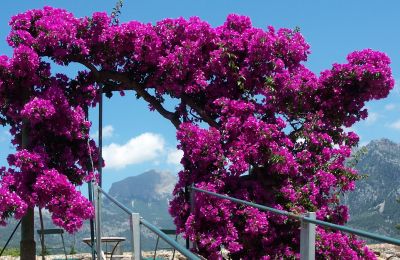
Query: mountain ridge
{"type": "Point", "coordinates": [152, 184]}
{"type": "Point", "coordinates": [373, 204]}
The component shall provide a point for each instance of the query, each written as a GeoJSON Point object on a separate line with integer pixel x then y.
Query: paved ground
{"type": "Point", "coordinates": [383, 251]}
{"type": "Point", "coordinates": [386, 251]}
{"type": "Point", "coordinates": [161, 254]}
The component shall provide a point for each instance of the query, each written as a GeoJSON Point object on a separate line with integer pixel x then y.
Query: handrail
{"type": "Point", "coordinates": [355, 231]}
{"type": "Point", "coordinates": [119, 204]}
{"type": "Point", "coordinates": [248, 203]}
{"type": "Point", "coordinates": [305, 219]}
{"type": "Point", "coordinates": [11, 236]}
{"type": "Point", "coordinates": [153, 228]}
{"type": "Point", "coordinates": [170, 241]}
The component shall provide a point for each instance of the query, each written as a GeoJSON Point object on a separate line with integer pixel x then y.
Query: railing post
{"type": "Point", "coordinates": [192, 199]}
{"type": "Point", "coordinates": [135, 230]}
{"type": "Point", "coordinates": [98, 222]}
{"type": "Point", "coordinates": [192, 245]}
{"type": "Point", "coordinates": [187, 191]}
{"type": "Point", "coordinates": [307, 238]}
{"type": "Point", "coordinates": [92, 224]}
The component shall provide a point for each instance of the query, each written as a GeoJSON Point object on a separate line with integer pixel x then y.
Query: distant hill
{"type": "Point", "coordinates": [148, 194]}
{"type": "Point", "coordinates": [373, 205]}
{"type": "Point", "coordinates": [148, 186]}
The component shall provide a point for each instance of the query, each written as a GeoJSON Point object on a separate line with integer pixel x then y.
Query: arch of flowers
{"type": "Point", "coordinates": [274, 131]}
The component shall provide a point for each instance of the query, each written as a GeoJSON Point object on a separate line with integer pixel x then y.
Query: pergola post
{"type": "Point", "coordinates": [27, 244]}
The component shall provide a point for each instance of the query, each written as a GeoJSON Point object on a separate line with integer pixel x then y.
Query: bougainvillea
{"type": "Point", "coordinates": [252, 120]}
{"type": "Point", "coordinates": [55, 156]}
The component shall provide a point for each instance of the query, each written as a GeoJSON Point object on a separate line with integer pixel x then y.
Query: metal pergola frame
{"type": "Point", "coordinates": [94, 193]}
{"type": "Point", "coordinates": [95, 227]}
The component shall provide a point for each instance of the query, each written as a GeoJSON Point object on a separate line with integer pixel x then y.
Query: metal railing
{"type": "Point", "coordinates": [135, 226]}
{"type": "Point", "coordinates": [307, 226]}
{"type": "Point", "coordinates": [10, 237]}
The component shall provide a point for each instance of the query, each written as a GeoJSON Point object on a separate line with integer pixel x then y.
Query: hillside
{"type": "Point", "coordinates": [373, 205]}
{"type": "Point", "coordinates": [148, 194]}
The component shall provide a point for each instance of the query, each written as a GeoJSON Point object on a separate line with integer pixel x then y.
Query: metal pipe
{"type": "Point", "coordinates": [192, 199]}
{"type": "Point", "coordinates": [358, 232]}
{"type": "Point", "coordinates": [192, 192]}
{"type": "Point", "coordinates": [187, 241]}
{"type": "Point", "coordinates": [98, 222]}
{"type": "Point", "coordinates": [244, 202]}
{"type": "Point", "coordinates": [9, 239]}
{"type": "Point", "coordinates": [119, 204]}
{"type": "Point", "coordinates": [42, 233]}
{"type": "Point", "coordinates": [307, 219]}
{"type": "Point", "coordinates": [101, 136]}
{"type": "Point", "coordinates": [98, 198]}
{"type": "Point", "coordinates": [153, 228]}
{"type": "Point", "coordinates": [170, 241]}
{"type": "Point", "coordinates": [90, 191]}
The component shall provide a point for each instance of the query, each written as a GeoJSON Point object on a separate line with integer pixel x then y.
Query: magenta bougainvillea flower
{"type": "Point", "coordinates": [252, 120]}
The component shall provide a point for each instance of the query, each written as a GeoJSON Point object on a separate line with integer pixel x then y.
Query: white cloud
{"type": "Point", "coordinates": [372, 117]}
{"type": "Point", "coordinates": [145, 147]}
{"type": "Point", "coordinates": [390, 107]}
{"type": "Point", "coordinates": [395, 125]}
{"type": "Point", "coordinates": [349, 129]}
{"type": "Point", "coordinates": [108, 132]}
{"type": "Point", "coordinates": [174, 156]}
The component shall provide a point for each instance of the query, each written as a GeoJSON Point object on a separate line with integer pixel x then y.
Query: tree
{"type": "Point", "coordinates": [264, 109]}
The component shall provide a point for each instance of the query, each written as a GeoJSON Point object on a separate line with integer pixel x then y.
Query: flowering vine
{"type": "Point", "coordinates": [274, 136]}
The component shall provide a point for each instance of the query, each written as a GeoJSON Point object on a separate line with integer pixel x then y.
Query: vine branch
{"type": "Point", "coordinates": [103, 76]}
{"type": "Point", "coordinates": [127, 84]}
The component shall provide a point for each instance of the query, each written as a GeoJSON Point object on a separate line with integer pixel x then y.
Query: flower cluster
{"type": "Point", "coordinates": [275, 134]}
{"type": "Point", "coordinates": [46, 115]}
{"type": "Point", "coordinates": [10, 202]}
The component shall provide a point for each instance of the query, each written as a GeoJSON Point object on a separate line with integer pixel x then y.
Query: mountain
{"type": "Point", "coordinates": [373, 204]}
{"type": "Point", "coordinates": [149, 186]}
{"type": "Point", "coordinates": [148, 194]}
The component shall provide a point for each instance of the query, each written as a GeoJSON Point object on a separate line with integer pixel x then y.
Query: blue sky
{"type": "Point", "coordinates": [137, 140]}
